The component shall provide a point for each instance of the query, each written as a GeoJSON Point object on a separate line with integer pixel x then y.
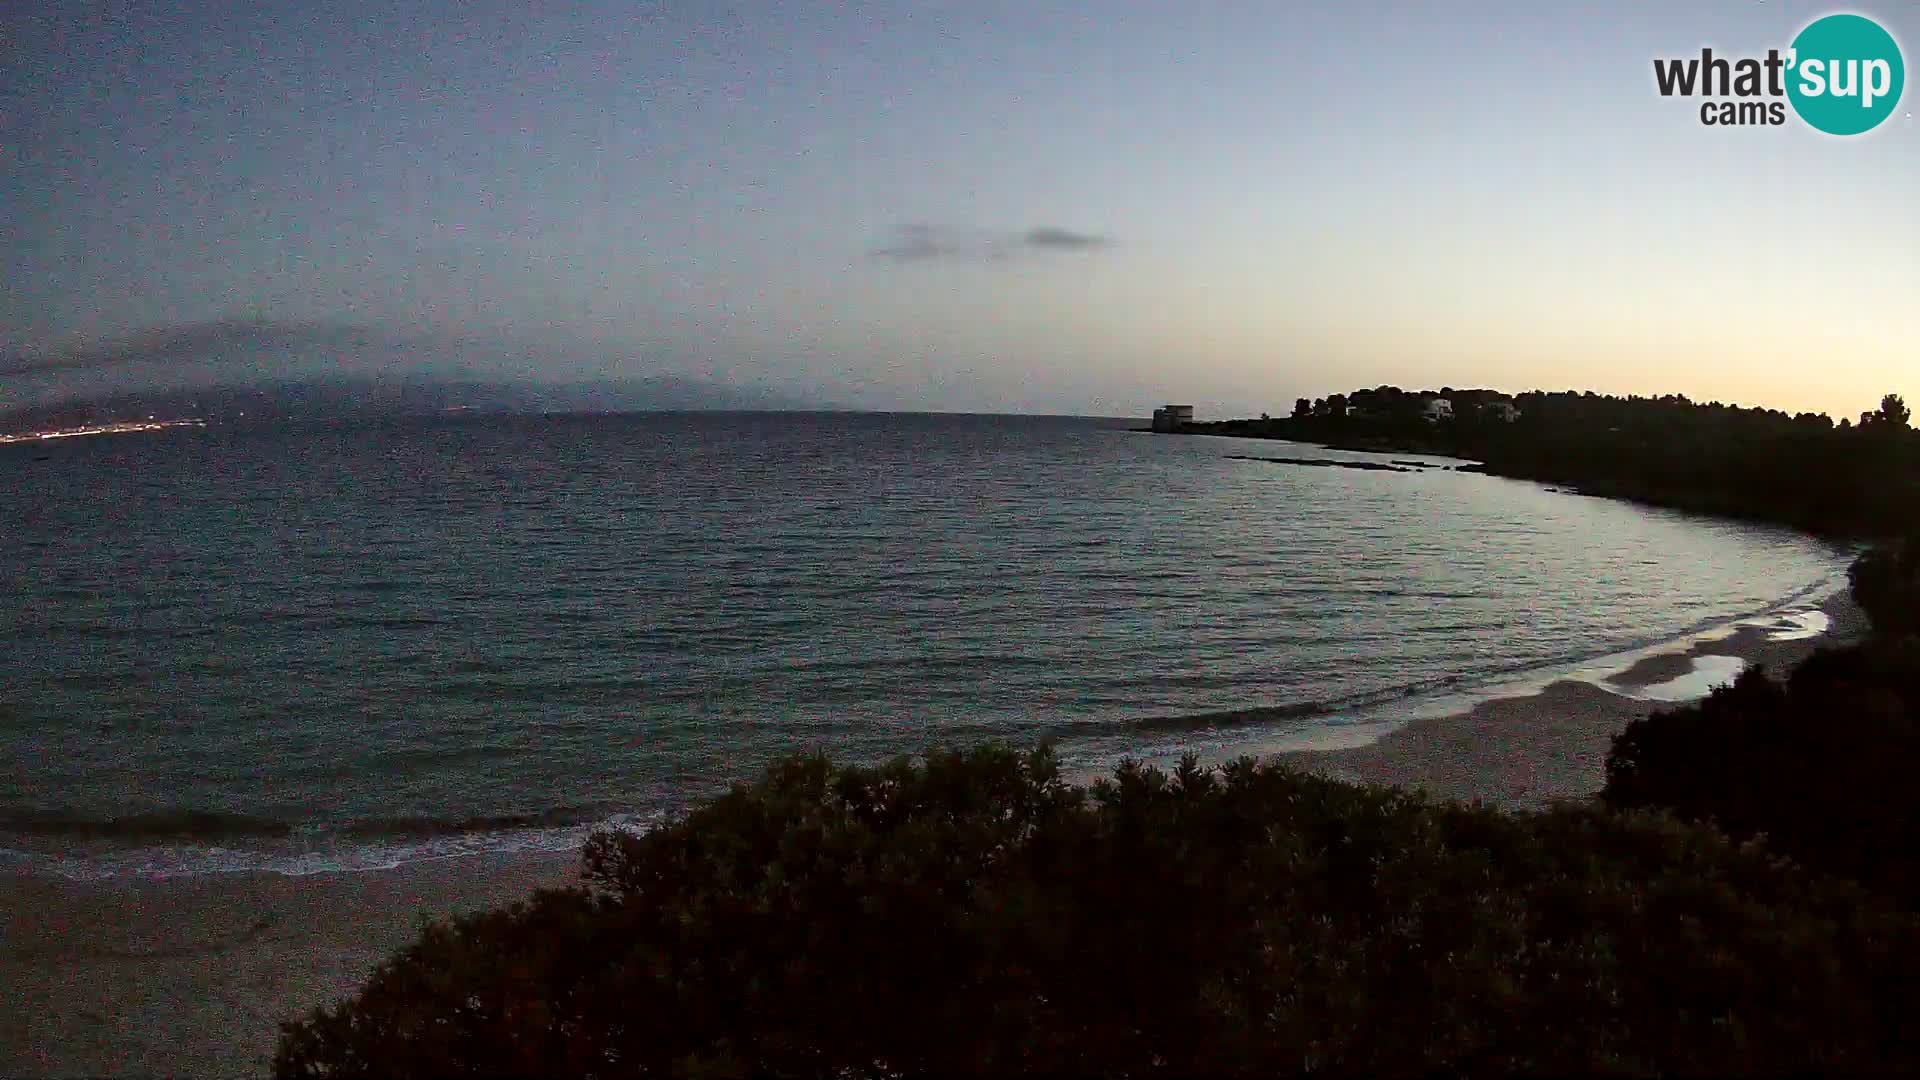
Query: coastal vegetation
{"type": "Point", "coordinates": [1820, 765]}
{"type": "Point", "coordinates": [1886, 585]}
{"type": "Point", "coordinates": [974, 912]}
{"type": "Point", "coordinates": [1847, 479]}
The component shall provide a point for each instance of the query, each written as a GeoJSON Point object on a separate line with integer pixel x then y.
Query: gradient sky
{"type": "Point", "coordinates": [1023, 206]}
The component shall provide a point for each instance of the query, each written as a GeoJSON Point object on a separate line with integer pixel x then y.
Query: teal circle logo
{"type": "Point", "coordinates": [1845, 74]}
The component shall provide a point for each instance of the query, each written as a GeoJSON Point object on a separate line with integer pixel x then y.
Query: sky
{"type": "Point", "coordinates": [1032, 207]}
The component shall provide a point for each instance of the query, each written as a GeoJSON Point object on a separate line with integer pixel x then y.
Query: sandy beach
{"type": "Point", "coordinates": [192, 976]}
{"type": "Point", "coordinates": [1528, 752]}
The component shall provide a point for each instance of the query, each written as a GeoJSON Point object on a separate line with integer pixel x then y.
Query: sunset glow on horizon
{"type": "Point", "coordinates": [994, 207]}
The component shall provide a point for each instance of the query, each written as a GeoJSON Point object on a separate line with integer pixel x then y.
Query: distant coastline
{"type": "Point", "coordinates": [1845, 480]}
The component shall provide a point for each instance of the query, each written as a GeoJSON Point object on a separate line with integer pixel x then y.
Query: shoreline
{"type": "Point", "coordinates": [1528, 751]}
{"type": "Point", "coordinates": [1351, 726]}
{"type": "Point", "coordinates": [193, 974]}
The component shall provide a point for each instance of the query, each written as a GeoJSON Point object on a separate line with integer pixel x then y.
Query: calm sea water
{"type": "Point", "coordinates": [334, 647]}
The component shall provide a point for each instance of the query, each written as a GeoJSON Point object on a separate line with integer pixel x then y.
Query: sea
{"type": "Point", "coordinates": [325, 647]}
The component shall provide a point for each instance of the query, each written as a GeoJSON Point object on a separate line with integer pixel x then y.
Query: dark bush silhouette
{"type": "Point", "coordinates": [1822, 766]}
{"type": "Point", "coordinates": [1886, 585]}
{"type": "Point", "coordinates": [976, 914]}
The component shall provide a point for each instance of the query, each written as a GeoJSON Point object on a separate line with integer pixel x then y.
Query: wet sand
{"type": "Point", "coordinates": [192, 976]}
{"type": "Point", "coordinates": [1529, 752]}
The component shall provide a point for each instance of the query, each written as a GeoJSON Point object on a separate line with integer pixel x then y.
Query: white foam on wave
{"type": "Point", "coordinates": [1790, 624]}
{"type": "Point", "coordinates": [1797, 619]}
{"type": "Point", "coordinates": [159, 863]}
{"type": "Point", "coordinates": [1793, 625]}
{"type": "Point", "coordinates": [1709, 672]}
{"type": "Point", "coordinates": [1216, 747]}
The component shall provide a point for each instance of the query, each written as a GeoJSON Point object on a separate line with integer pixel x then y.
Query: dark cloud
{"type": "Point", "coordinates": [919, 242]}
{"type": "Point", "coordinates": [914, 242]}
{"type": "Point", "coordinates": [1049, 236]}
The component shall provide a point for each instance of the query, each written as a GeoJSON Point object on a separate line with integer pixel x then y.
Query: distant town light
{"type": "Point", "coordinates": [114, 428]}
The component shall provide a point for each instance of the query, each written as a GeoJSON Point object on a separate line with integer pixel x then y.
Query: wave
{"type": "Point", "coordinates": [183, 841]}
{"type": "Point", "coordinates": [1227, 718]}
{"type": "Point", "coordinates": [377, 622]}
{"type": "Point", "coordinates": [420, 826]}
{"type": "Point", "coordinates": [375, 844]}
{"type": "Point", "coordinates": [1783, 620]}
{"type": "Point", "coordinates": [148, 825]}
{"type": "Point", "coordinates": [927, 664]}
{"type": "Point", "coordinates": [194, 825]}
{"type": "Point", "coordinates": [1262, 715]}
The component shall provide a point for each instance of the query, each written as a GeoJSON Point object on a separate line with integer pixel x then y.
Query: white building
{"type": "Point", "coordinates": [1503, 411]}
{"type": "Point", "coordinates": [1438, 409]}
{"type": "Point", "coordinates": [1172, 417]}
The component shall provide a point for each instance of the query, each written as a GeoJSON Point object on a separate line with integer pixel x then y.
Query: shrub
{"type": "Point", "coordinates": [1822, 766]}
{"type": "Point", "coordinates": [976, 914]}
{"type": "Point", "coordinates": [1886, 585]}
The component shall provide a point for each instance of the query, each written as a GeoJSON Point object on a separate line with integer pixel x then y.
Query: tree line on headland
{"type": "Point", "coordinates": [1803, 470]}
